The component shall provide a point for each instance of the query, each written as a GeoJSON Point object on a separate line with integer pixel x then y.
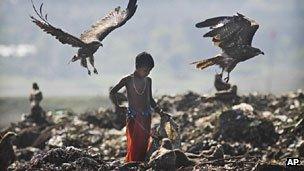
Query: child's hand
{"type": "Point", "coordinates": [153, 133]}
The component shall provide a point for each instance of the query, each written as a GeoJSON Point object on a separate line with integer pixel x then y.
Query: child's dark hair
{"type": "Point", "coordinates": [144, 59]}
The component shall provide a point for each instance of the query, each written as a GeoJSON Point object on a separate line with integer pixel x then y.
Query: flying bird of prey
{"type": "Point", "coordinates": [90, 40]}
{"type": "Point", "coordinates": [233, 34]}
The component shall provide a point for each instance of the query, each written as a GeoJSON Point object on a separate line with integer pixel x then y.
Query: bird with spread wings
{"type": "Point", "coordinates": [233, 34]}
{"type": "Point", "coordinates": [90, 40]}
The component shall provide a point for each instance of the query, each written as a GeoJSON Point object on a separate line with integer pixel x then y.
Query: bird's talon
{"type": "Point", "coordinates": [89, 72]}
{"type": "Point", "coordinates": [95, 71]}
{"type": "Point", "coordinates": [226, 79]}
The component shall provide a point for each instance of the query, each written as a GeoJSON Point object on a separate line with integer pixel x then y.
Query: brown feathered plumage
{"type": "Point", "coordinates": [233, 34]}
{"type": "Point", "coordinates": [90, 40]}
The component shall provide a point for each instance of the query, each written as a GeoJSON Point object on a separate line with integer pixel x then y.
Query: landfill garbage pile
{"type": "Point", "coordinates": [252, 132]}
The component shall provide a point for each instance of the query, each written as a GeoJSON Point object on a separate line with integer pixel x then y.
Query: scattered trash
{"type": "Point", "coordinates": [249, 133]}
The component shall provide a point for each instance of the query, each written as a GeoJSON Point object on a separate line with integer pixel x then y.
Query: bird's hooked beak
{"type": "Point", "coordinates": [262, 53]}
{"type": "Point", "coordinates": [101, 44]}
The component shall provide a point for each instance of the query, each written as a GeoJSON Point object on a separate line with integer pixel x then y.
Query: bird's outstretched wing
{"type": "Point", "coordinates": [116, 18]}
{"type": "Point", "coordinates": [244, 36]}
{"type": "Point", "coordinates": [222, 27]}
{"type": "Point", "coordinates": [214, 22]}
{"type": "Point", "coordinates": [230, 30]}
{"type": "Point", "coordinates": [63, 37]}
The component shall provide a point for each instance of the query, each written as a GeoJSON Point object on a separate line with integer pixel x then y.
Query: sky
{"type": "Point", "coordinates": [164, 28]}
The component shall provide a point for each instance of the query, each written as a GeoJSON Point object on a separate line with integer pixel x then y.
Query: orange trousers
{"type": "Point", "coordinates": [138, 137]}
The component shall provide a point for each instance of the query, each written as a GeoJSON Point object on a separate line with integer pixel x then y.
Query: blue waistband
{"type": "Point", "coordinates": [133, 112]}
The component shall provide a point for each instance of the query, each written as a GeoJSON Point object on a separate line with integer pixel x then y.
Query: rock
{"type": "Point", "coordinates": [130, 166]}
{"type": "Point", "coordinates": [259, 102]}
{"type": "Point", "coordinates": [106, 119]}
{"type": "Point", "coordinates": [27, 137]}
{"type": "Point", "coordinates": [244, 107]}
{"type": "Point", "coordinates": [26, 153]}
{"type": "Point", "coordinates": [202, 147]}
{"type": "Point", "coordinates": [236, 126]}
{"type": "Point", "coordinates": [163, 158]}
{"type": "Point", "coordinates": [182, 159]}
{"type": "Point", "coordinates": [7, 154]}
{"type": "Point", "coordinates": [65, 159]}
{"type": "Point", "coordinates": [227, 96]}
{"type": "Point", "coordinates": [44, 136]}
{"type": "Point", "coordinates": [167, 158]}
{"type": "Point", "coordinates": [65, 140]}
{"type": "Point", "coordinates": [98, 119]}
{"type": "Point", "coordinates": [166, 103]}
{"type": "Point", "coordinates": [189, 100]}
{"type": "Point", "coordinates": [300, 148]}
{"type": "Point", "coordinates": [217, 154]}
{"type": "Point", "coordinates": [299, 127]}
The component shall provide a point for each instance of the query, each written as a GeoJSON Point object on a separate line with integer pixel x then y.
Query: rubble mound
{"type": "Point", "coordinates": [251, 132]}
{"type": "Point", "coordinates": [236, 126]}
{"type": "Point", "coordinates": [66, 158]}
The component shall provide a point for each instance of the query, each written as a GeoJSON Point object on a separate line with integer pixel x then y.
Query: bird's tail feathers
{"type": "Point", "coordinates": [202, 64]}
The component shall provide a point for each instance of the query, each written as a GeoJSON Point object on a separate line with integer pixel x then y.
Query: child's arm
{"type": "Point", "coordinates": [157, 108]}
{"type": "Point", "coordinates": [152, 101]}
{"type": "Point", "coordinates": [115, 89]}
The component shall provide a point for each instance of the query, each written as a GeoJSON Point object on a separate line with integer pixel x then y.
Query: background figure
{"type": "Point", "coordinates": [37, 113]}
{"type": "Point", "coordinates": [35, 96]}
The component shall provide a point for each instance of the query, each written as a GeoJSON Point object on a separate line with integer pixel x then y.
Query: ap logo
{"type": "Point", "coordinates": [292, 161]}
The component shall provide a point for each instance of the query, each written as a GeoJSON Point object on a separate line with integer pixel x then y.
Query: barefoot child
{"type": "Point", "coordinates": [138, 86]}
